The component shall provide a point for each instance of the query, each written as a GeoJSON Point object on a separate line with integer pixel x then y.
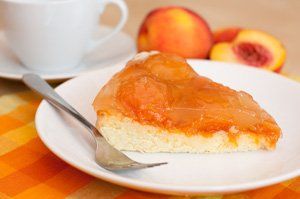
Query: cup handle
{"type": "Point", "coordinates": [123, 18]}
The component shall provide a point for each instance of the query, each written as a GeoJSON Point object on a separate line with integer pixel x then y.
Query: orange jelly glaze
{"type": "Point", "coordinates": [164, 91]}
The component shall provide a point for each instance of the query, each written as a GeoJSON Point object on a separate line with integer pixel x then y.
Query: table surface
{"type": "Point", "coordinates": [278, 17]}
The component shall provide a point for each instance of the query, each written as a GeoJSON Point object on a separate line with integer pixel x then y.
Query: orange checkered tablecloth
{"type": "Point", "coordinates": [29, 170]}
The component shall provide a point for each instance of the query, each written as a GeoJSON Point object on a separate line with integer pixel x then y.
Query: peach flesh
{"type": "Point", "coordinates": [252, 54]}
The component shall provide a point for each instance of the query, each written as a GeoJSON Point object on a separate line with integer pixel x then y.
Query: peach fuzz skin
{"type": "Point", "coordinates": [250, 47]}
{"type": "Point", "coordinates": [226, 34]}
{"type": "Point", "coordinates": [175, 30]}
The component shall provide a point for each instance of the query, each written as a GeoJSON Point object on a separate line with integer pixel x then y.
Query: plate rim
{"type": "Point", "coordinates": [169, 189]}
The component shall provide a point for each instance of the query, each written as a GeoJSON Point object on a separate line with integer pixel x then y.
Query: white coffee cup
{"type": "Point", "coordinates": [54, 35]}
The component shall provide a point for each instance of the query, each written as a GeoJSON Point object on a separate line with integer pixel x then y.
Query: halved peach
{"type": "Point", "coordinates": [251, 47]}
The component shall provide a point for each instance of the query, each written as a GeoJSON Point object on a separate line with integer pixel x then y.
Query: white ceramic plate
{"type": "Point", "coordinates": [117, 49]}
{"type": "Point", "coordinates": [185, 173]}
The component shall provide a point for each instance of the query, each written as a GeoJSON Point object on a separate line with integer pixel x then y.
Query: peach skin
{"type": "Point", "coordinates": [175, 30]}
{"type": "Point", "coordinates": [250, 47]}
{"type": "Point", "coordinates": [226, 34]}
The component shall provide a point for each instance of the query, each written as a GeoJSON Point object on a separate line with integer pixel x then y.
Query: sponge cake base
{"type": "Point", "coordinates": [129, 135]}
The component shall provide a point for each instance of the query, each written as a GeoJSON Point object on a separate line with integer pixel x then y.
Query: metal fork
{"type": "Point", "coordinates": [106, 155]}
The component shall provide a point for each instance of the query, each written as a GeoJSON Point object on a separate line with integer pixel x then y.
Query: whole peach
{"type": "Point", "coordinates": [175, 30]}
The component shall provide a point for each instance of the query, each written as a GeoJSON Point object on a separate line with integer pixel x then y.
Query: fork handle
{"type": "Point", "coordinates": [37, 84]}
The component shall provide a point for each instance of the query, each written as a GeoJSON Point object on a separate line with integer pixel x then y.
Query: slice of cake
{"type": "Point", "coordinates": [158, 103]}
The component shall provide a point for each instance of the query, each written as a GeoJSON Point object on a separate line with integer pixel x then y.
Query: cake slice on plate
{"type": "Point", "coordinates": [158, 103]}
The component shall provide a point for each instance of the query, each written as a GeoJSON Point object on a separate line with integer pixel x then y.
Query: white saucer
{"type": "Point", "coordinates": [184, 173]}
{"type": "Point", "coordinates": [119, 48]}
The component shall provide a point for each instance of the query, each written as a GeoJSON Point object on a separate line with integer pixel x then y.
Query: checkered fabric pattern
{"type": "Point", "coordinates": [29, 170]}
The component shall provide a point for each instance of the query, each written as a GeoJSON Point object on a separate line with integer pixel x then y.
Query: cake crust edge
{"type": "Point", "coordinates": [129, 135]}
